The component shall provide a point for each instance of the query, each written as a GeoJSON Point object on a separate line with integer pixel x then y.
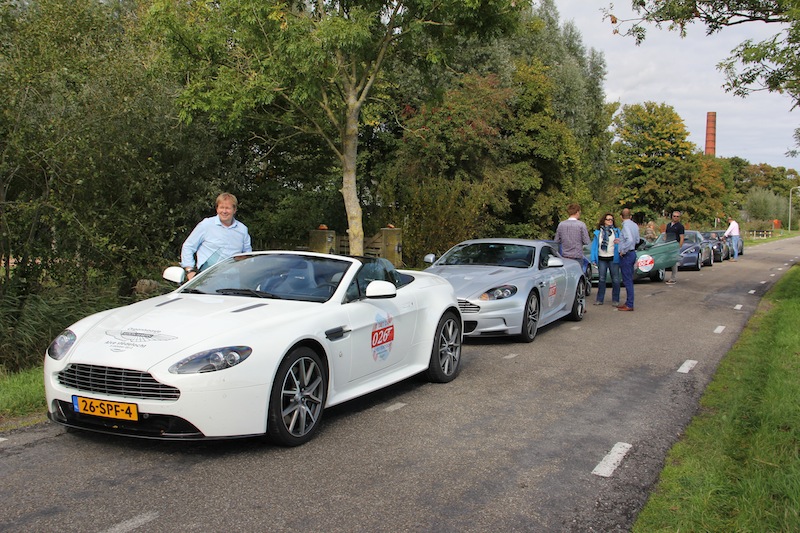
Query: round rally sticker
{"type": "Point", "coordinates": [645, 263]}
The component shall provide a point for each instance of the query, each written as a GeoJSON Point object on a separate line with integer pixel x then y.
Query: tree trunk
{"type": "Point", "coordinates": [352, 204]}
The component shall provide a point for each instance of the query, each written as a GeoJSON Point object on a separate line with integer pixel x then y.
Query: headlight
{"type": "Point", "coordinates": [61, 345]}
{"type": "Point", "coordinates": [498, 293]}
{"type": "Point", "coordinates": [692, 250]}
{"type": "Point", "coordinates": [211, 360]}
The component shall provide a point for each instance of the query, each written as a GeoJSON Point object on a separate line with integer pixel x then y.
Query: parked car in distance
{"type": "Point", "coordinates": [257, 345]}
{"type": "Point", "coordinates": [652, 260]}
{"type": "Point", "coordinates": [695, 252]}
{"type": "Point", "coordinates": [511, 286]}
{"type": "Point", "coordinates": [719, 245]}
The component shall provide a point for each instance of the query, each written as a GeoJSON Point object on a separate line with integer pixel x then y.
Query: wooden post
{"type": "Point", "coordinates": [323, 241]}
{"type": "Point", "coordinates": [393, 245]}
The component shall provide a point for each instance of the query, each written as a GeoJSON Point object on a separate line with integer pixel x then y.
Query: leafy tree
{"type": "Point", "coordinates": [772, 64]}
{"type": "Point", "coordinates": [653, 159]}
{"type": "Point", "coordinates": [445, 181]}
{"type": "Point", "coordinates": [543, 159]}
{"type": "Point", "coordinates": [93, 159]}
{"type": "Point", "coordinates": [555, 132]}
{"type": "Point", "coordinates": [312, 66]}
{"type": "Point", "coordinates": [576, 99]}
{"type": "Point", "coordinates": [766, 205]}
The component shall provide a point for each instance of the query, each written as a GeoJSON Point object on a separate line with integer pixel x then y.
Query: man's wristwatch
{"type": "Point", "coordinates": [190, 269]}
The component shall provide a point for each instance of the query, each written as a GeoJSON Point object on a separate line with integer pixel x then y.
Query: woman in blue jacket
{"type": "Point", "coordinates": [606, 256]}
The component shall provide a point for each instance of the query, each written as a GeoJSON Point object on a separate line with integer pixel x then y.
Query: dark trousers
{"type": "Point", "coordinates": [627, 266]}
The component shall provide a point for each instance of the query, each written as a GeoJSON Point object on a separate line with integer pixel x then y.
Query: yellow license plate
{"type": "Point", "coordinates": [89, 406]}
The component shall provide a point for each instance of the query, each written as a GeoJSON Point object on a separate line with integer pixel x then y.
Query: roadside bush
{"type": "Point", "coordinates": [29, 323]}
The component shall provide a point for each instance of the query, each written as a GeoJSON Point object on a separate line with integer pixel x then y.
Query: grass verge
{"type": "Point", "coordinates": [21, 397]}
{"type": "Point", "coordinates": [737, 468]}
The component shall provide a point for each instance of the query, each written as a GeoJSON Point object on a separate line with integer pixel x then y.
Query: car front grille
{"type": "Point", "coordinates": [116, 382]}
{"type": "Point", "coordinates": [468, 307]}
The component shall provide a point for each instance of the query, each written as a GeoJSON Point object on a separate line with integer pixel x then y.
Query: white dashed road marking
{"type": "Point", "coordinates": [395, 407]}
{"type": "Point", "coordinates": [719, 329]}
{"type": "Point", "coordinates": [751, 292]}
{"type": "Point", "coordinates": [134, 523]}
{"type": "Point", "coordinates": [1, 439]}
{"type": "Point", "coordinates": [510, 356]}
{"type": "Point", "coordinates": [737, 307]}
{"type": "Point", "coordinates": [687, 366]}
{"type": "Point", "coordinates": [611, 461]}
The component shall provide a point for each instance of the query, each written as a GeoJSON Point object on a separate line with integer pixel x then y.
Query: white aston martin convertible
{"type": "Point", "coordinates": [259, 344]}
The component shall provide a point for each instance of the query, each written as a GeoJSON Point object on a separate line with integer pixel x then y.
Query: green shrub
{"type": "Point", "coordinates": [29, 323]}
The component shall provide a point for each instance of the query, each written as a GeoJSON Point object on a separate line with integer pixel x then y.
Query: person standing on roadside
{"type": "Point", "coordinates": [628, 239]}
{"type": "Point", "coordinates": [606, 256]}
{"type": "Point", "coordinates": [675, 232]}
{"type": "Point", "coordinates": [215, 238]}
{"type": "Point", "coordinates": [733, 233]}
{"type": "Point", "coordinates": [650, 234]}
{"type": "Point", "coordinates": [572, 234]}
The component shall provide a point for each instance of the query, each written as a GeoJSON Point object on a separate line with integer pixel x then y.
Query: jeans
{"type": "Point", "coordinates": [627, 265]}
{"type": "Point", "coordinates": [603, 268]}
{"type": "Point", "coordinates": [735, 244]}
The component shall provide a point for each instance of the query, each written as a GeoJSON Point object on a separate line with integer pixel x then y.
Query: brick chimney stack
{"type": "Point", "coordinates": [711, 133]}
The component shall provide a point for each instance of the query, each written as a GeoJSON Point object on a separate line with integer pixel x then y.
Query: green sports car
{"type": "Point", "coordinates": [652, 260]}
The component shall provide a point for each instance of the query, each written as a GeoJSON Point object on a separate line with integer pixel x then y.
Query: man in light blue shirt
{"type": "Point", "coordinates": [215, 238]}
{"type": "Point", "coordinates": [628, 239]}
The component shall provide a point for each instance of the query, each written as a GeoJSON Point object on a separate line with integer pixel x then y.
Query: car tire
{"type": "Point", "coordinates": [710, 260]}
{"type": "Point", "coordinates": [298, 398]}
{"type": "Point", "coordinates": [699, 264]}
{"type": "Point", "coordinates": [446, 352]}
{"type": "Point", "coordinates": [530, 317]}
{"type": "Point", "coordinates": [579, 303]}
{"type": "Point", "coordinates": [589, 275]}
{"type": "Point", "coordinates": [658, 275]}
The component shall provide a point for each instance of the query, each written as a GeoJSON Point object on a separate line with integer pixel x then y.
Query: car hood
{"type": "Point", "coordinates": [473, 280]}
{"type": "Point", "coordinates": [141, 335]}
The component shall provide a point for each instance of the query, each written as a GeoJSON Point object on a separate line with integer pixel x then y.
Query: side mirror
{"type": "Point", "coordinates": [175, 274]}
{"type": "Point", "coordinates": [378, 290]}
{"type": "Point", "coordinates": [430, 258]}
{"type": "Point", "coordinates": [554, 261]}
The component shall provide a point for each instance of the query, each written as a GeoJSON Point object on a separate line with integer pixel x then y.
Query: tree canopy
{"type": "Point", "coordinates": [313, 66]}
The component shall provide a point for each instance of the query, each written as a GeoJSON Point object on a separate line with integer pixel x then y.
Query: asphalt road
{"type": "Point", "coordinates": [510, 445]}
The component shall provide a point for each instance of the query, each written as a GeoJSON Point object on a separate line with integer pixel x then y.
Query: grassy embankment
{"type": "Point", "coordinates": [737, 468]}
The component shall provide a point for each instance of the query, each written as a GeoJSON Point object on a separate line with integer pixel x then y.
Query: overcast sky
{"type": "Point", "coordinates": [682, 73]}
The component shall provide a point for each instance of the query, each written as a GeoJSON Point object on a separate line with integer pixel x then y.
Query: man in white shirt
{"type": "Point", "coordinates": [733, 233]}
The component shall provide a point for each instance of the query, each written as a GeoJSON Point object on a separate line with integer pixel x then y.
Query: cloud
{"type": "Point", "coordinates": [683, 74]}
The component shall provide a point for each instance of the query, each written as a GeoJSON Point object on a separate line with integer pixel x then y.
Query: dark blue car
{"type": "Point", "coordinates": [695, 252]}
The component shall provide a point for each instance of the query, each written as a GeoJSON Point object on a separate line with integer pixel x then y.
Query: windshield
{"type": "Point", "coordinates": [280, 276]}
{"type": "Point", "coordinates": [688, 238]}
{"type": "Point", "coordinates": [491, 254]}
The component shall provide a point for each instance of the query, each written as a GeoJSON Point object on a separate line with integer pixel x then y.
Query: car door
{"type": "Point", "coordinates": [552, 283]}
{"type": "Point", "coordinates": [382, 329]}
